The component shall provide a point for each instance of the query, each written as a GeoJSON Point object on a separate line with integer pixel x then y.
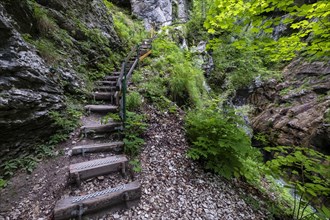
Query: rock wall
{"type": "Point", "coordinates": [30, 85]}
{"type": "Point", "coordinates": [157, 13]}
{"type": "Point", "coordinates": [27, 93]}
{"type": "Point", "coordinates": [297, 110]}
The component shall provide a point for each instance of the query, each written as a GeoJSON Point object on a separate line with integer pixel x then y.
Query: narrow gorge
{"type": "Point", "coordinates": [164, 109]}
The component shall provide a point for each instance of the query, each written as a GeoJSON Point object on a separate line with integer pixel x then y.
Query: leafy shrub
{"type": "Point", "coordinates": [134, 129]}
{"type": "Point", "coordinates": [236, 68]}
{"type": "Point", "coordinates": [133, 101]}
{"type": "Point", "coordinates": [218, 140]}
{"type": "Point", "coordinates": [68, 119]}
{"type": "Point", "coordinates": [308, 171]}
{"type": "Point", "coordinates": [185, 80]}
{"type": "Point", "coordinates": [129, 32]}
{"type": "Point", "coordinates": [47, 50]}
{"type": "Point", "coordinates": [45, 24]}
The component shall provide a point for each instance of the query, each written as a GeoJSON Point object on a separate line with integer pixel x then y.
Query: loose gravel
{"type": "Point", "coordinates": [173, 186]}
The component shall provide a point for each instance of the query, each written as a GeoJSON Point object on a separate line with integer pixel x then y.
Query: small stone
{"type": "Point", "coordinates": [101, 178]}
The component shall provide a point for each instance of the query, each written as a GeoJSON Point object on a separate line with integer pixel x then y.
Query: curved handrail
{"type": "Point", "coordinates": [120, 96]}
{"type": "Point", "coordinates": [123, 78]}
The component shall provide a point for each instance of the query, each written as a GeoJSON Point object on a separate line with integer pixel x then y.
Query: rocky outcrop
{"type": "Point", "coordinates": [295, 111]}
{"type": "Point", "coordinates": [153, 12]}
{"type": "Point", "coordinates": [34, 83]}
{"type": "Point", "coordinates": [27, 93]}
{"type": "Point", "coordinates": [157, 13]}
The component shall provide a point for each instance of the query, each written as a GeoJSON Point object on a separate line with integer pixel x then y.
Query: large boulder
{"type": "Point", "coordinates": [156, 13]}
{"type": "Point", "coordinates": [153, 12]}
{"type": "Point", "coordinates": [295, 111]}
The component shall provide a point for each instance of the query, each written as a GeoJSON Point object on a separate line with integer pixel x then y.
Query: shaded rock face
{"type": "Point", "coordinates": [157, 13]}
{"type": "Point", "coordinates": [295, 112]}
{"type": "Point", "coordinates": [27, 93]}
{"type": "Point", "coordinates": [30, 87]}
{"type": "Point", "coordinates": [153, 11]}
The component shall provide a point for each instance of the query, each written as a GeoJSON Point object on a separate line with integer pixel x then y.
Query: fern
{"type": "Point", "coordinates": [217, 140]}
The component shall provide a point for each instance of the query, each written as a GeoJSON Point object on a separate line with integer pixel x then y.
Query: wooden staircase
{"type": "Point", "coordinates": [100, 142]}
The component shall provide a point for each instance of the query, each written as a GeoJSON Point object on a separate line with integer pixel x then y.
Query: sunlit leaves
{"type": "Point", "coordinates": [307, 25]}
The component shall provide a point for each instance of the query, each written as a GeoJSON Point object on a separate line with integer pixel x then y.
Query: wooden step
{"type": "Point", "coordinates": [106, 128]}
{"type": "Point", "coordinates": [104, 147]}
{"type": "Point", "coordinates": [117, 73]}
{"type": "Point", "coordinates": [106, 96]}
{"type": "Point", "coordinates": [105, 83]}
{"type": "Point", "coordinates": [101, 108]}
{"type": "Point", "coordinates": [105, 88]}
{"type": "Point", "coordinates": [93, 168]}
{"type": "Point", "coordinates": [111, 78]}
{"type": "Point", "coordinates": [78, 206]}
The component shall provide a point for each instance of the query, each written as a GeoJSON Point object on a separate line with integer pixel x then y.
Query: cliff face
{"type": "Point", "coordinates": [28, 92]}
{"type": "Point", "coordinates": [159, 12]}
{"type": "Point", "coordinates": [71, 39]}
{"type": "Point", "coordinates": [296, 111]}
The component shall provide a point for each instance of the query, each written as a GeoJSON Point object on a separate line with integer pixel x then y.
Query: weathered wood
{"type": "Point", "coordinates": [92, 168]}
{"type": "Point", "coordinates": [101, 108]}
{"type": "Point", "coordinates": [105, 83]}
{"type": "Point", "coordinates": [111, 78]}
{"type": "Point", "coordinates": [145, 55]}
{"type": "Point", "coordinates": [117, 73]}
{"type": "Point", "coordinates": [105, 88]}
{"type": "Point", "coordinates": [77, 206]}
{"type": "Point", "coordinates": [104, 147]}
{"type": "Point", "coordinates": [103, 95]}
{"type": "Point", "coordinates": [129, 74]}
{"type": "Point", "coordinates": [101, 128]}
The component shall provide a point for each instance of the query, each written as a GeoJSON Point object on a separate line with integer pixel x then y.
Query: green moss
{"type": "Point", "coordinates": [130, 31]}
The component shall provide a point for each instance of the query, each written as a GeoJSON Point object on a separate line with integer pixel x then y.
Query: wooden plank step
{"type": "Point", "coordinates": [101, 128]}
{"type": "Point", "coordinates": [111, 78]}
{"type": "Point", "coordinates": [81, 205]}
{"type": "Point", "coordinates": [93, 168]}
{"type": "Point", "coordinates": [105, 83]}
{"type": "Point", "coordinates": [104, 147]}
{"type": "Point", "coordinates": [103, 95]}
{"type": "Point", "coordinates": [105, 88]}
{"type": "Point", "coordinates": [101, 108]}
{"type": "Point", "coordinates": [117, 73]}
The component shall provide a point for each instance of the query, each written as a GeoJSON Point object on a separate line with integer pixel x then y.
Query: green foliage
{"type": "Point", "coordinates": [129, 31]}
{"type": "Point", "coordinates": [262, 138]}
{"type": "Point", "coordinates": [45, 23]}
{"type": "Point", "coordinates": [46, 48]}
{"type": "Point", "coordinates": [195, 30]}
{"type": "Point", "coordinates": [235, 68]}
{"type": "Point", "coordinates": [308, 171]}
{"type": "Point", "coordinates": [133, 101]}
{"type": "Point", "coordinates": [110, 117]}
{"type": "Point", "coordinates": [28, 163]}
{"type": "Point", "coordinates": [3, 183]}
{"type": "Point", "coordinates": [134, 129]}
{"type": "Point", "coordinates": [136, 165]}
{"type": "Point", "coordinates": [309, 26]}
{"type": "Point", "coordinates": [184, 79]}
{"type": "Point", "coordinates": [217, 140]}
{"type": "Point", "coordinates": [66, 120]}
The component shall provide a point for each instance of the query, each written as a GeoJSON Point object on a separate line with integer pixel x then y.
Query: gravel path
{"type": "Point", "coordinates": [175, 187]}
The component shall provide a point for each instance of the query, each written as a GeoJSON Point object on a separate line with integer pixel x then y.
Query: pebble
{"type": "Point", "coordinates": [101, 178]}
